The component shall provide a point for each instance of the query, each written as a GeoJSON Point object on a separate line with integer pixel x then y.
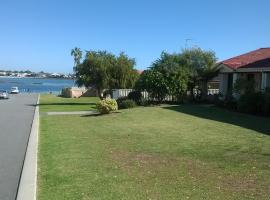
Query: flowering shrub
{"type": "Point", "coordinates": [105, 106]}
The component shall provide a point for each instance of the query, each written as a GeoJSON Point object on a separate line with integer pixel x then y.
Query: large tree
{"type": "Point", "coordinates": [201, 67]}
{"type": "Point", "coordinates": [103, 70]}
{"type": "Point", "coordinates": [165, 77]}
{"type": "Point", "coordinates": [123, 74]}
{"type": "Point", "coordinates": [173, 74]}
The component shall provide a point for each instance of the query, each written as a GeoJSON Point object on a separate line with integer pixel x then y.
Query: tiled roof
{"type": "Point", "coordinates": [250, 59]}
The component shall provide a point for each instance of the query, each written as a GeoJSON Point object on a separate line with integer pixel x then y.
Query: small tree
{"type": "Point", "coordinates": [178, 84]}
{"type": "Point", "coordinates": [154, 83]}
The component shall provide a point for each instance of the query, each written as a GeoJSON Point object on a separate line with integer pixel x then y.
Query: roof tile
{"type": "Point", "coordinates": [248, 59]}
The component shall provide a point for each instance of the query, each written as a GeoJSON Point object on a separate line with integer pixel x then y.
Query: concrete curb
{"type": "Point", "coordinates": [28, 183]}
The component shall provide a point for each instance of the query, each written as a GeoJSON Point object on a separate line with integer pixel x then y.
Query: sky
{"type": "Point", "coordinates": [39, 34]}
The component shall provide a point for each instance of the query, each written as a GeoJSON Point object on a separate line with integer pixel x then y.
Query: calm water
{"type": "Point", "coordinates": [36, 85]}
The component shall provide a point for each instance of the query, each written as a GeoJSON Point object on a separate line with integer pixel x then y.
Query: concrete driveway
{"type": "Point", "coordinates": [16, 115]}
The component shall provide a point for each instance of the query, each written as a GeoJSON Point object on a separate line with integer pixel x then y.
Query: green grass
{"type": "Point", "coordinates": [184, 152]}
{"type": "Point", "coordinates": [53, 103]}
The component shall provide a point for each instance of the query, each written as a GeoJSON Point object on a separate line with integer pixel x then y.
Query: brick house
{"type": "Point", "coordinates": [252, 65]}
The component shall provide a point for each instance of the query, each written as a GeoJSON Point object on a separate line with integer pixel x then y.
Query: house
{"type": "Point", "coordinates": [252, 65]}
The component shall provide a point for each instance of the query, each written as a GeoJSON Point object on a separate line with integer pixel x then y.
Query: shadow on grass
{"type": "Point", "coordinates": [256, 123]}
{"type": "Point", "coordinates": [99, 115]}
{"type": "Point", "coordinates": [63, 104]}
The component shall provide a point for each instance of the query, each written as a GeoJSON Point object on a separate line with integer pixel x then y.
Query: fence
{"type": "Point", "coordinates": [124, 93]}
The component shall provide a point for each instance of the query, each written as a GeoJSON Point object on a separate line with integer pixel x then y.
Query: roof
{"type": "Point", "coordinates": [253, 59]}
{"type": "Point", "coordinates": [140, 71]}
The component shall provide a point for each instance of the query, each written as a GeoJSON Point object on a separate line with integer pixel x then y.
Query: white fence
{"type": "Point", "coordinates": [124, 93]}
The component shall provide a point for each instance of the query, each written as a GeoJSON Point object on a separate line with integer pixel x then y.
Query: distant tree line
{"type": "Point", "coordinates": [16, 71]}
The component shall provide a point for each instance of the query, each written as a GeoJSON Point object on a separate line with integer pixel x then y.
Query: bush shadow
{"type": "Point", "coordinates": [99, 115]}
{"type": "Point", "coordinates": [256, 123]}
{"type": "Point", "coordinates": [65, 104]}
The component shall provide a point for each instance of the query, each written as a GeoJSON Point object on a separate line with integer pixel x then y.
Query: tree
{"type": "Point", "coordinates": [154, 83]}
{"type": "Point", "coordinates": [178, 84]}
{"type": "Point", "coordinates": [166, 76]}
{"type": "Point", "coordinates": [173, 74]}
{"type": "Point", "coordinates": [103, 70]}
{"type": "Point", "coordinates": [94, 70]}
{"type": "Point", "coordinates": [123, 74]}
{"type": "Point", "coordinates": [201, 67]}
{"type": "Point", "coordinates": [77, 55]}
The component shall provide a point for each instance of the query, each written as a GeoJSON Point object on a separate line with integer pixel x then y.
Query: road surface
{"type": "Point", "coordinates": [16, 115]}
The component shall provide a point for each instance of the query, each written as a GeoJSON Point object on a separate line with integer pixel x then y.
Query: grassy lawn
{"type": "Point", "coordinates": [182, 152]}
{"type": "Point", "coordinates": [53, 103]}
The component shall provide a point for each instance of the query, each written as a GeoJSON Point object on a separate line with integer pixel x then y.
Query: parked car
{"type": "Point", "coordinates": [14, 90]}
{"type": "Point", "coordinates": [4, 94]}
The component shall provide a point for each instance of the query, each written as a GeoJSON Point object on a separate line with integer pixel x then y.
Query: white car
{"type": "Point", "coordinates": [14, 90]}
{"type": "Point", "coordinates": [4, 94]}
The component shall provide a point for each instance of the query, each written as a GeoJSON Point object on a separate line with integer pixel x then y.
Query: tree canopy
{"type": "Point", "coordinates": [173, 74]}
{"type": "Point", "coordinates": [104, 70]}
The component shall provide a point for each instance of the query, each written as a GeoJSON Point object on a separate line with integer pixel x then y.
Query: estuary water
{"type": "Point", "coordinates": [35, 85]}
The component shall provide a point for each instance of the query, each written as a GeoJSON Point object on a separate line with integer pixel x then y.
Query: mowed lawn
{"type": "Point", "coordinates": [168, 152]}
{"type": "Point", "coordinates": [53, 103]}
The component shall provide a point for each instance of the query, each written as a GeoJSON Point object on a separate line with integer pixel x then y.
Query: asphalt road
{"type": "Point", "coordinates": [16, 115]}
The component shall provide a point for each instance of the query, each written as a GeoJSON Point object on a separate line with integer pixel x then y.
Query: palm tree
{"type": "Point", "coordinates": [77, 55]}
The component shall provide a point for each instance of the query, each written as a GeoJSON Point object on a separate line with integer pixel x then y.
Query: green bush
{"type": "Point", "coordinates": [128, 103]}
{"type": "Point", "coordinates": [120, 100]}
{"type": "Point", "coordinates": [251, 102]}
{"type": "Point", "coordinates": [266, 106]}
{"type": "Point", "coordinates": [135, 96]}
{"type": "Point", "coordinates": [106, 106]}
{"type": "Point", "coordinates": [230, 102]}
{"type": "Point", "coordinates": [144, 102]}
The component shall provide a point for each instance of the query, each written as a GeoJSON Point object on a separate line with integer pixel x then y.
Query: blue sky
{"type": "Point", "coordinates": [38, 35]}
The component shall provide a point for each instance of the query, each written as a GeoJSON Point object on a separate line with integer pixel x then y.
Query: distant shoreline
{"type": "Point", "coordinates": [36, 78]}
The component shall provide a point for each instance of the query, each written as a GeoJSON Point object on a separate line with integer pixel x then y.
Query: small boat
{"type": "Point", "coordinates": [14, 90]}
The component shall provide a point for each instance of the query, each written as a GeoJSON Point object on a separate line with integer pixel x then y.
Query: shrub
{"type": "Point", "coordinates": [128, 103]}
{"type": "Point", "coordinates": [243, 86]}
{"type": "Point", "coordinates": [266, 106]}
{"type": "Point", "coordinates": [106, 106]}
{"type": "Point", "coordinates": [135, 96]}
{"type": "Point", "coordinates": [230, 102]}
{"type": "Point", "coordinates": [144, 102]}
{"type": "Point", "coordinates": [120, 100]}
{"type": "Point", "coordinates": [251, 103]}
